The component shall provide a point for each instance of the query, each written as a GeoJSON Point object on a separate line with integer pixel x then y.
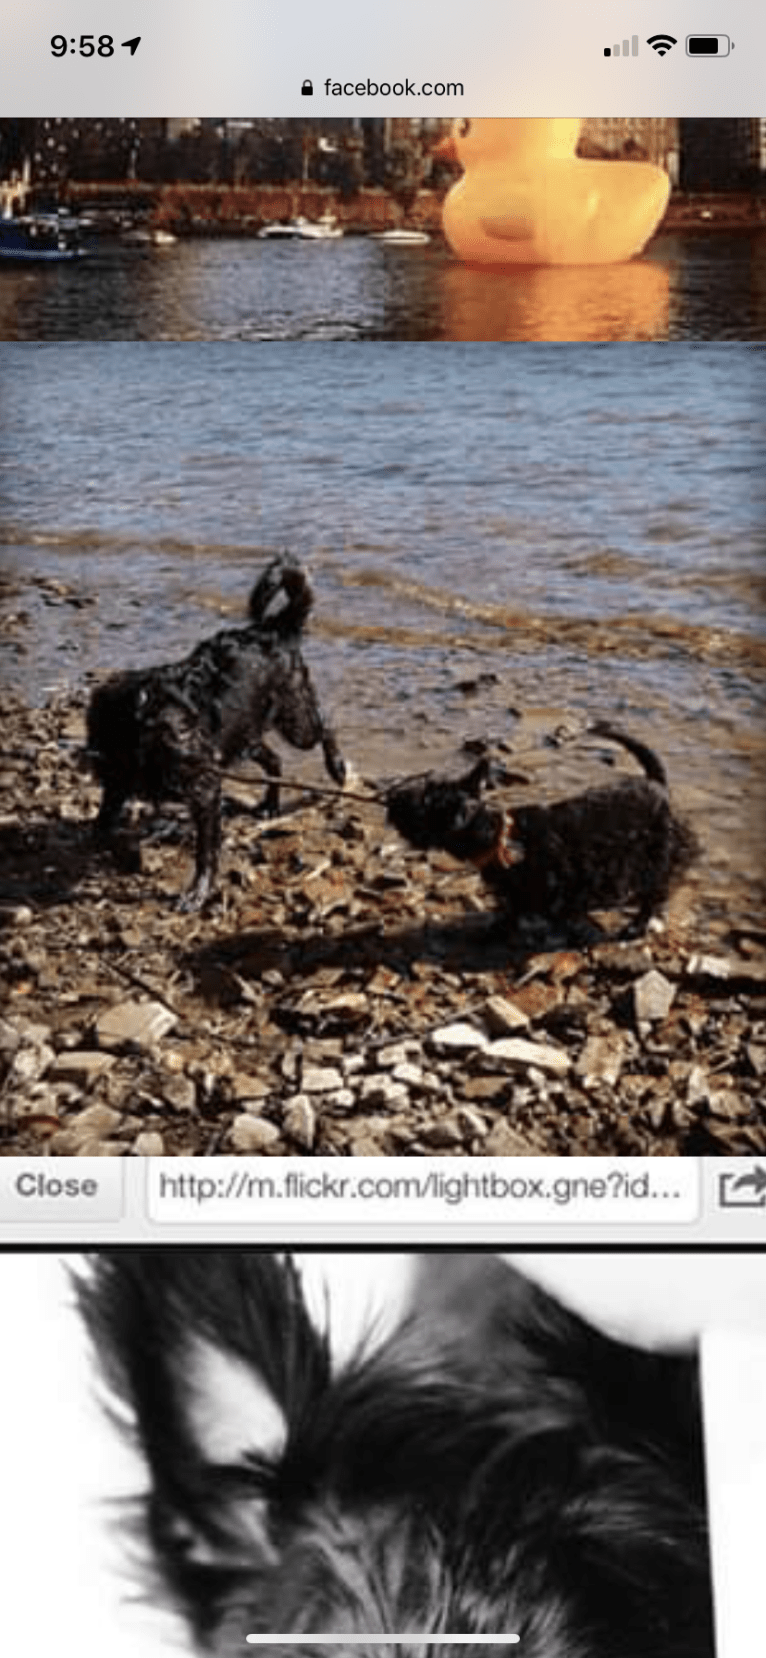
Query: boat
{"type": "Point", "coordinates": [145, 237]}
{"type": "Point", "coordinates": [401, 238]}
{"type": "Point", "coordinates": [41, 236]}
{"type": "Point", "coordinates": [325, 229]}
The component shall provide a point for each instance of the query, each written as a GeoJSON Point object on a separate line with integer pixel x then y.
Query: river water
{"type": "Point", "coordinates": [498, 537]}
{"type": "Point", "coordinates": [695, 285]}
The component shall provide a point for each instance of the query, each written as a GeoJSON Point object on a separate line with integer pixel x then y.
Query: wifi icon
{"type": "Point", "coordinates": [662, 43]}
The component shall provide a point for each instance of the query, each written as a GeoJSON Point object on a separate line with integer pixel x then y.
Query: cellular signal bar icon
{"type": "Point", "coordinates": [629, 49]}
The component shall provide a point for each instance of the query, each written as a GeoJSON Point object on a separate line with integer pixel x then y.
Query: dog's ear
{"type": "Point", "coordinates": [282, 598]}
{"type": "Point", "coordinates": [466, 810]}
{"type": "Point", "coordinates": [479, 778]}
{"type": "Point", "coordinates": [216, 1359]}
{"type": "Point", "coordinates": [489, 773]}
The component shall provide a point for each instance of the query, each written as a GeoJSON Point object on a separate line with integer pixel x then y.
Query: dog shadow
{"type": "Point", "coordinates": [464, 943]}
{"type": "Point", "coordinates": [44, 861]}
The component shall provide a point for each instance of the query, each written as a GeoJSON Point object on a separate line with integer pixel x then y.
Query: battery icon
{"type": "Point", "coordinates": [708, 46]}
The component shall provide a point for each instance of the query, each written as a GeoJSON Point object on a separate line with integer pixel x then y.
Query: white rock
{"type": "Point", "coordinates": [244, 1087]}
{"type": "Point", "coordinates": [709, 967]}
{"type": "Point", "coordinates": [300, 1122]}
{"type": "Point", "coordinates": [410, 1075]}
{"type": "Point", "coordinates": [10, 1037]}
{"type": "Point", "coordinates": [382, 1090]}
{"type": "Point", "coordinates": [29, 1064]}
{"type": "Point", "coordinates": [80, 1068]}
{"type": "Point", "coordinates": [601, 1060]}
{"type": "Point", "coordinates": [652, 997]}
{"type": "Point", "coordinates": [398, 1053]}
{"type": "Point", "coordinates": [320, 1079]}
{"type": "Point", "coordinates": [503, 1017]}
{"type": "Point", "coordinates": [15, 915]}
{"type": "Point", "coordinates": [249, 1133]}
{"type": "Point", "coordinates": [149, 1144]}
{"type": "Point", "coordinates": [458, 1038]}
{"type": "Point", "coordinates": [341, 1099]}
{"type": "Point", "coordinates": [471, 1122]}
{"type": "Point", "coordinates": [134, 1024]}
{"type": "Point", "coordinates": [514, 1050]}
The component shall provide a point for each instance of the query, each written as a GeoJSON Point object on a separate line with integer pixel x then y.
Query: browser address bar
{"type": "Point", "coordinates": [517, 1191]}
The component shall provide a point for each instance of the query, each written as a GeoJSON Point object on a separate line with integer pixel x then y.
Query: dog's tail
{"type": "Point", "coordinates": [646, 757]}
{"type": "Point", "coordinates": [281, 599]}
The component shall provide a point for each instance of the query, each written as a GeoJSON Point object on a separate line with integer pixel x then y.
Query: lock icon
{"type": "Point", "coordinates": [307, 89]}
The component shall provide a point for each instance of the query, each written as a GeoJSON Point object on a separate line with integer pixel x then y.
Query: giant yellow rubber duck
{"type": "Point", "coordinates": [526, 198]}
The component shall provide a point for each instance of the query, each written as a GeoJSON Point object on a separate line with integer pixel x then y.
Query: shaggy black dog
{"type": "Point", "coordinates": [494, 1466]}
{"type": "Point", "coordinates": [609, 847]}
{"type": "Point", "coordinates": [167, 733]}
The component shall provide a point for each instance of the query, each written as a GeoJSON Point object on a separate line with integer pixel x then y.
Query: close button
{"type": "Point", "coordinates": [32, 1191]}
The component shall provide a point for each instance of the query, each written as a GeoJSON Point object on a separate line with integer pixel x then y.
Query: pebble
{"type": "Point", "coordinates": [149, 1144]}
{"type": "Point", "coordinates": [471, 1123]}
{"type": "Point", "coordinates": [29, 1064]}
{"type": "Point", "coordinates": [410, 1076]}
{"type": "Point", "coordinates": [381, 1090]}
{"type": "Point", "coordinates": [253, 1134]}
{"type": "Point", "coordinates": [134, 1024]}
{"type": "Point", "coordinates": [299, 1121]}
{"type": "Point", "coordinates": [80, 1069]}
{"type": "Point", "coordinates": [85, 1131]}
{"type": "Point", "coordinates": [709, 967]}
{"type": "Point", "coordinates": [341, 1099]}
{"type": "Point", "coordinates": [243, 1087]}
{"type": "Point", "coordinates": [37, 1101]}
{"type": "Point", "coordinates": [600, 1060]}
{"type": "Point", "coordinates": [484, 1088]}
{"type": "Point", "coordinates": [504, 1141]}
{"type": "Point", "coordinates": [400, 1053]}
{"type": "Point", "coordinates": [320, 1079]}
{"type": "Point", "coordinates": [179, 1093]}
{"type": "Point", "coordinates": [10, 1037]}
{"type": "Point", "coordinates": [458, 1039]}
{"type": "Point", "coordinates": [653, 997]}
{"type": "Point", "coordinates": [514, 1050]}
{"type": "Point", "coordinates": [15, 915]}
{"type": "Point", "coordinates": [727, 1103]}
{"type": "Point", "coordinates": [503, 1017]}
{"type": "Point", "coordinates": [447, 1133]}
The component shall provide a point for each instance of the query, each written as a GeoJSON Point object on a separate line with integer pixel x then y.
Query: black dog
{"type": "Point", "coordinates": [603, 849]}
{"type": "Point", "coordinates": [494, 1466]}
{"type": "Point", "coordinates": [166, 733]}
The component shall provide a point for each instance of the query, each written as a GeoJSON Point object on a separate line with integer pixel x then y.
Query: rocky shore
{"type": "Point", "coordinates": [344, 996]}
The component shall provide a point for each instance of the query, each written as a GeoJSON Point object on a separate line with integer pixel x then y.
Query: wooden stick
{"type": "Point", "coordinates": [377, 796]}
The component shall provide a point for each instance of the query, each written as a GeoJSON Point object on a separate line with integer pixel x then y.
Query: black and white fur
{"type": "Point", "coordinates": [493, 1465]}
{"type": "Point", "coordinates": [167, 733]}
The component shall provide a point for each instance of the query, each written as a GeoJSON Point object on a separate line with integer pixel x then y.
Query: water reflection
{"type": "Point", "coordinates": [607, 302]}
{"type": "Point", "coordinates": [688, 286]}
